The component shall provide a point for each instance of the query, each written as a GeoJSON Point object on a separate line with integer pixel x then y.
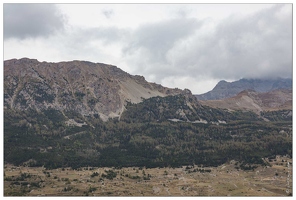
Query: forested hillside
{"type": "Point", "coordinates": [142, 138]}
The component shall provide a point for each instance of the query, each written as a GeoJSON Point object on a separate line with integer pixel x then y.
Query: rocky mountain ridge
{"type": "Point", "coordinates": [84, 87]}
{"type": "Point", "coordinates": [226, 89]}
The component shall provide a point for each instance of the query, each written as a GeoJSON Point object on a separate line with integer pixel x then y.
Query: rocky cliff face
{"type": "Point", "coordinates": [228, 89]}
{"type": "Point", "coordinates": [80, 86]}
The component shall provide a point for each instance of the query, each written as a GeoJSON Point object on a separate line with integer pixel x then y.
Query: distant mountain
{"type": "Point", "coordinates": [226, 89]}
{"type": "Point", "coordinates": [250, 100]}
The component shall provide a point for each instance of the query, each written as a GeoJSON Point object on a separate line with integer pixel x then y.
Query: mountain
{"type": "Point", "coordinates": [80, 86]}
{"type": "Point", "coordinates": [78, 113]}
{"type": "Point", "coordinates": [93, 90]}
{"type": "Point", "coordinates": [226, 89]}
{"type": "Point", "coordinates": [250, 100]}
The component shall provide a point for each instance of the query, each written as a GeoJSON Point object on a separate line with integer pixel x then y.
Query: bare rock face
{"type": "Point", "coordinates": [80, 86]}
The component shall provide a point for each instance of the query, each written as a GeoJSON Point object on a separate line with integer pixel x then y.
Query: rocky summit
{"type": "Point", "coordinates": [79, 86]}
{"type": "Point", "coordinates": [226, 89]}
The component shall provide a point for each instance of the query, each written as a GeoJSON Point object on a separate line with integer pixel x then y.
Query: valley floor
{"type": "Point", "coordinates": [224, 180]}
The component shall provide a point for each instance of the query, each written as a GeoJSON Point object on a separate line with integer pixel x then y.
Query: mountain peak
{"type": "Point", "coordinates": [226, 89]}
{"type": "Point", "coordinates": [86, 87]}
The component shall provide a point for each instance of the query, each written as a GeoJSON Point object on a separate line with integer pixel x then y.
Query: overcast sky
{"type": "Point", "coordinates": [177, 45]}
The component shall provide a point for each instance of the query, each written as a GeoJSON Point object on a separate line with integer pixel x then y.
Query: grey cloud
{"type": "Point", "coordinates": [258, 46]}
{"type": "Point", "coordinates": [151, 42]}
{"type": "Point", "coordinates": [105, 34]}
{"type": "Point", "coordinates": [31, 20]}
{"type": "Point", "coordinates": [83, 44]}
